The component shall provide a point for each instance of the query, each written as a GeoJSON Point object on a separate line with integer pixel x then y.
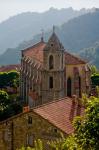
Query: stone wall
{"type": "Point", "coordinates": [24, 129]}
{"type": "Point", "coordinates": [83, 74]}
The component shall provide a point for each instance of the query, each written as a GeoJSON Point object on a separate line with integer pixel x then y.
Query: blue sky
{"type": "Point", "coordinates": [12, 7]}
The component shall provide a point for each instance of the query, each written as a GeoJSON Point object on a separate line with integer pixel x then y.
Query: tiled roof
{"type": "Point", "coordinates": [61, 113]}
{"type": "Point", "coordinates": [72, 59]}
{"type": "Point", "coordinates": [10, 68]}
{"type": "Point", "coordinates": [35, 51]}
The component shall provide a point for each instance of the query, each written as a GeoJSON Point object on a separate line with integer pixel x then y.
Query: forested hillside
{"type": "Point", "coordinates": [77, 34]}
{"type": "Point", "coordinates": [24, 26]}
{"type": "Point", "coordinates": [91, 54]}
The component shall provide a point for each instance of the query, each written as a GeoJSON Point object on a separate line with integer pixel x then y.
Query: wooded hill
{"type": "Point", "coordinates": [77, 34]}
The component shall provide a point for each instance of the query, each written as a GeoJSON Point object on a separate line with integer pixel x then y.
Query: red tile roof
{"type": "Point", "coordinates": [10, 68]}
{"type": "Point", "coordinates": [72, 59]}
{"type": "Point", "coordinates": [61, 113]}
{"type": "Point", "coordinates": [35, 51]}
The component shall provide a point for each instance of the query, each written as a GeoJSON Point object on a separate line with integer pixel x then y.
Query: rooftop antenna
{"type": "Point", "coordinates": [42, 35]}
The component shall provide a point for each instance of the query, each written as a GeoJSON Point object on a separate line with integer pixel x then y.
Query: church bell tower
{"type": "Point", "coordinates": [53, 73]}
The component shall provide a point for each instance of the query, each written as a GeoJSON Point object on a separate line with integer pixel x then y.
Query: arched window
{"type": "Point", "coordinates": [50, 82]}
{"type": "Point", "coordinates": [51, 62]}
{"type": "Point", "coordinates": [69, 90]}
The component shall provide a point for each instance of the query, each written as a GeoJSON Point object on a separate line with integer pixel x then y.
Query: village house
{"type": "Point", "coordinates": [45, 122]}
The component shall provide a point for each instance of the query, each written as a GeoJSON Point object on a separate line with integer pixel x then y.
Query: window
{"type": "Point", "coordinates": [55, 130]}
{"type": "Point", "coordinates": [6, 136]}
{"type": "Point", "coordinates": [69, 87]}
{"type": "Point", "coordinates": [51, 62]}
{"type": "Point", "coordinates": [30, 140]}
{"type": "Point", "coordinates": [51, 82]}
{"type": "Point", "coordinates": [51, 44]}
{"type": "Point", "coordinates": [29, 120]}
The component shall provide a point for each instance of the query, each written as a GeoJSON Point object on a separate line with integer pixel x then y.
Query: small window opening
{"type": "Point", "coordinates": [51, 62]}
{"type": "Point", "coordinates": [55, 130]}
{"type": "Point", "coordinates": [51, 44]}
{"type": "Point", "coordinates": [29, 120]}
{"type": "Point", "coordinates": [51, 82]}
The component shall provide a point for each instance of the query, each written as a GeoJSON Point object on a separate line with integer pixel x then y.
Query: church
{"type": "Point", "coordinates": [49, 72]}
{"type": "Point", "coordinates": [52, 81]}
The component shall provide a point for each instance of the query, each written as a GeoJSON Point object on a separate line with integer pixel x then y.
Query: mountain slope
{"type": "Point", "coordinates": [24, 26]}
{"type": "Point", "coordinates": [91, 54]}
{"type": "Point", "coordinates": [76, 34]}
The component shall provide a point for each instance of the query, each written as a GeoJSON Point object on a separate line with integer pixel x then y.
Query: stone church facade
{"type": "Point", "coordinates": [49, 72]}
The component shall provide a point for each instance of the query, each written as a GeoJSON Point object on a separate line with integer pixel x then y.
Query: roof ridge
{"type": "Point", "coordinates": [54, 101]}
{"type": "Point", "coordinates": [32, 109]}
{"type": "Point", "coordinates": [33, 46]}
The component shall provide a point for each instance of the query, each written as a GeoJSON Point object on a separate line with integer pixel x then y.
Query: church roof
{"type": "Point", "coordinates": [35, 51]}
{"type": "Point", "coordinates": [61, 113]}
{"type": "Point", "coordinates": [53, 43]}
{"type": "Point", "coordinates": [71, 59]}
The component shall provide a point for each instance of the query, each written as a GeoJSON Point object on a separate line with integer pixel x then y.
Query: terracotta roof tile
{"type": "Point", "coordinates": [10, 68]}
{"type": "Point", "coordinates": [61, 113]}
{"type": "Point", "coordinates": [35, 51]}
{"type": "Point", "coordinates": [72, 59]}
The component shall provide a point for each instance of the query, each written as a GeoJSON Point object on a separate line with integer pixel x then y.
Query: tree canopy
{"type": "Point", "coordinates": [9, 79]}
{"type": "Point", "coordinates": [87, 128]}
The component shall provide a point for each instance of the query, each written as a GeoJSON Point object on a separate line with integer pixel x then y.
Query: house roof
{"type": "Point", "coordinates": [10, 68]}
{"type": "Point", "coordinates": [71, 59]}
{"type": "Point", "coordinates": [61, 113]}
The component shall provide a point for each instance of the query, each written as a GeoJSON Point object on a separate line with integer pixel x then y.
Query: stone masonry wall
{"type": "Point", "coordinates": [24, 129]}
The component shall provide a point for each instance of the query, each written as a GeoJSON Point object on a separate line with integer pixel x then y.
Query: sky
{"type": "Point", "coordinates": [10, 8]}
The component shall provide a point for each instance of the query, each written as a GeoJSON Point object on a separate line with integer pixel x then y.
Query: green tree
{"type": "Point", "coordinates": [4, 98]}
{"type": "Point", "coordinates": [93, 69]}
{"type": "Point", "coordinates": [8, 106]}
{"type": "Point", "coordinates": [3, 79]}
{"type": "Point", "coordinates": [95, 80]}
{"type": "Point", "coordinates": [13, 78]}
{"type": "Point", "coordinates": [9, 79]}
{"type": "Point", "coordinates": [87, 128]}
{"type": "Point", "coordinates": [38, 146]}
{"type": "Point", "coordinates": [4, 104]}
